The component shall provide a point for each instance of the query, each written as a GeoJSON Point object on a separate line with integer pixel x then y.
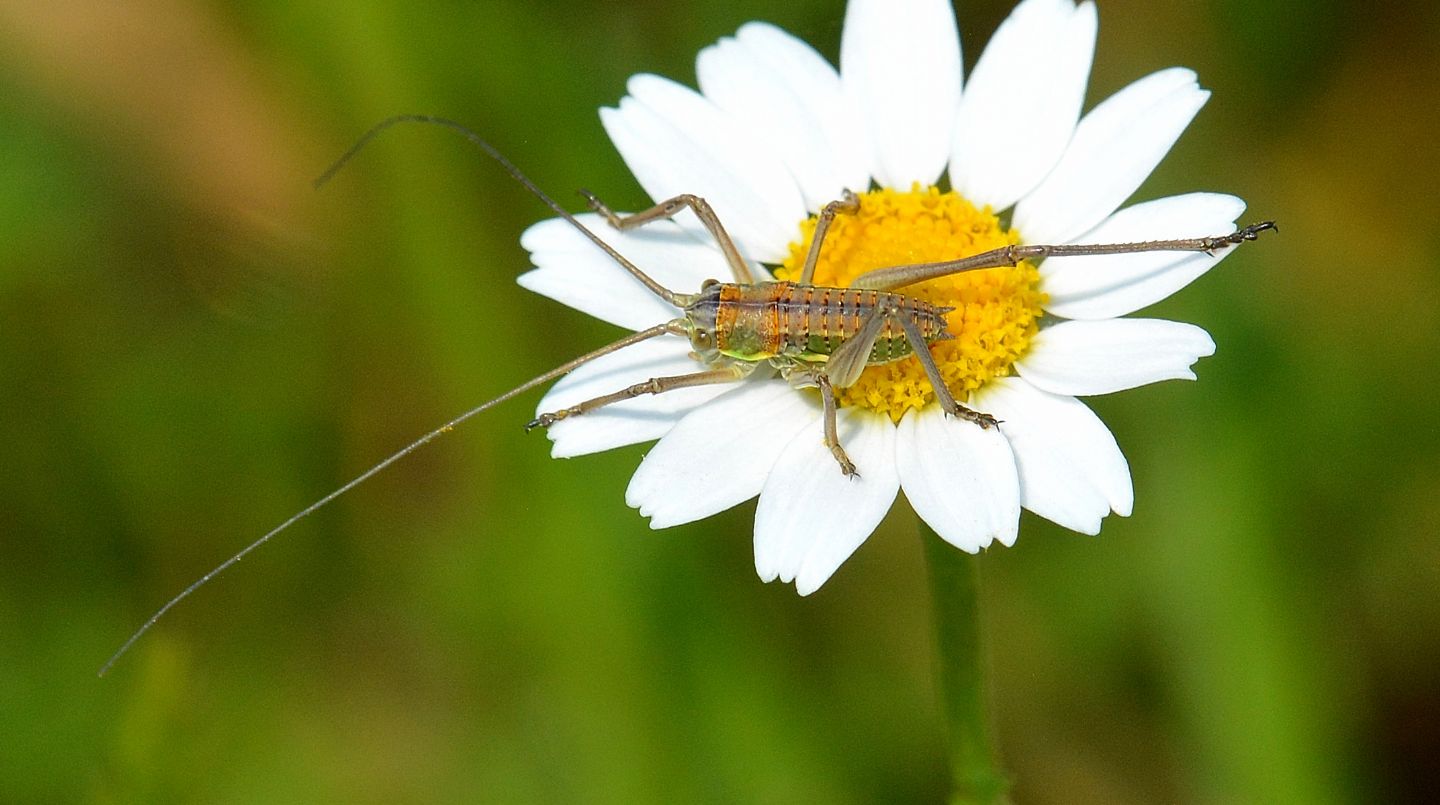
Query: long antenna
{"type": "Point", "coordinates": [633, 338]}
{"type": "Point", "coordinates": [490, 150]}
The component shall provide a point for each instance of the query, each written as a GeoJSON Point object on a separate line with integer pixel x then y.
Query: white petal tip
{"type": "Point", "coordinates": [640, 82]}
{"type": "Point", "coordinates": [558, 447]}
{"type": "Point", "coordinates": [758, 27]}
{"type": "Point", "coordinates": [657, 517]}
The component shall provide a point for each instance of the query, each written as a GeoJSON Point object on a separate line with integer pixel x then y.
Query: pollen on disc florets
{"type": "Point", "coordinates": [996, 310]}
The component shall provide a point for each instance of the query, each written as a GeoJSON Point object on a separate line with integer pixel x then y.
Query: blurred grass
{"type": "Point", "coordinates": [193, 344]}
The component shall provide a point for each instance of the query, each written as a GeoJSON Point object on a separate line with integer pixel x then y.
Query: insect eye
{"type": "Point", "coordinates": [701, 338]}
{"type": "Point", "coordinates": [708, 284]}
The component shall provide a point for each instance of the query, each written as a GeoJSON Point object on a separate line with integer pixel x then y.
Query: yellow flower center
{"type": "Point", "coordinates": [996, 310]}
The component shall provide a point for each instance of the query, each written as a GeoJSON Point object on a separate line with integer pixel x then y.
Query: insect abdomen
{"type": "Point", "coordinates": [807, 322]}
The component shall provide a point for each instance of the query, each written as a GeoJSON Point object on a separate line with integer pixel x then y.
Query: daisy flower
{"type": "Point", "coordinates": [941, 171]}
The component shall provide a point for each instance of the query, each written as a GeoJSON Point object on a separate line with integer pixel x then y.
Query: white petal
{"type": "Point", "coordinates": [721, 453]}
{"type": "Point", "coordinates": [1107, 286]}
{"type": "Point", "coordinates": [1071, 470]}
{"type": "Point", "coordinates": [675, 141]}
{"type": "Point", "coordinates": [1021, 103]}
{"type": "Point", "coordinates": [900, 65]}
{"type": "Point", "coordinates": [632, 421]}
{"type": "Point", "coordinates": [572, 270]}
{"type": "Point", "coordinates": [811, 518]}
{"type": "Point", "coordinates": [768, 81]}
{"type": "Point", "coordinates": [960, 478]}
{"type": "Point", "coordinates": [1114, 149]}
{"type": "Point", "coordinates": [1098, 357]}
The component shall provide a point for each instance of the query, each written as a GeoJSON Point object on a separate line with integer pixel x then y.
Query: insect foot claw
{"type": "Point", "coordinates": [985, 421]}
{"type": "Point", "coordinates": [544, 421]}
{"type": "Point", "coordinates": [1253, 231]}
{"type": "Point", "coordinates": [596, 205]}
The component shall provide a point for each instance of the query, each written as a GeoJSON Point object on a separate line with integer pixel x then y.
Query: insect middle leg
{"type": "Point", "coordinates": [832, 434]}
{"type": "Point", "coordinates": [669, 209]}
{"type": "Point", "coordinates": [847, 203]}
{"type": "Point", "coordinates": [655, 385]}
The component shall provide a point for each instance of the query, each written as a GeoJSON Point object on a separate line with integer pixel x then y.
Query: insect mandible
{"type": "Point", "coordinates": [812, 336]}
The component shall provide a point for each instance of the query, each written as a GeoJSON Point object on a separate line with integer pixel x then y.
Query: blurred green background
{"type": "Point", "coordinates": [194, 344]}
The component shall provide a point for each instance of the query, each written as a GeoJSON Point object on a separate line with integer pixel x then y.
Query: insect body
{"type": "Point", "coordinates": [813, 336]}
{"type": "Point", "coordinates": [793, 325]}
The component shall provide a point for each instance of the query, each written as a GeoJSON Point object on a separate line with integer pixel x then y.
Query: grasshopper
{"type": "Point", "coordinates": [812, 336]}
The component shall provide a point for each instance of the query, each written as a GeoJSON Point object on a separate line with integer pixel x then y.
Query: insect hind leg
{"type": "Point", "coordinates": [937, 381]}
{"type": "Point", "coordinates": [895, 277]}
{"type": "Point", "coordinates": [668, 209]}
{"type": "Point", "coordinates": [847, 362]}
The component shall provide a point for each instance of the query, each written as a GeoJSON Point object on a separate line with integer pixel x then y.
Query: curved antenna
{"type": "Point", "coordinates": [490, 150]}
{"type": "Point", "coordinates": [634, 338]}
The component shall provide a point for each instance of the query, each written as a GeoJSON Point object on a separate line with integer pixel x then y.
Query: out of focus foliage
{"type": "Point", "coordinates": [194, 344]}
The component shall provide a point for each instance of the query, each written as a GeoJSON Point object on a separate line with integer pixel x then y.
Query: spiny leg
{"type": "Point", "coordinates": [937, 381]}
{"type": "Point", "coordinates": [847, 203]}
{"type": "Point", "coordinates": [888, 279]}
{"type": "Point", "coordinates": [655, 385]}
{"type": "Point", "coordinates": [669, 209]}
{"type": "Point", "coordinates": [832, 434]}
{"type": "Point", "coordinates": [848, 361]}
{"type": "Point", "coordinates": [842, 369]}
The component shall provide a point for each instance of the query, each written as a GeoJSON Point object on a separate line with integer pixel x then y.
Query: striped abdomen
{"type": "Point", "coordinates": [807, 322]}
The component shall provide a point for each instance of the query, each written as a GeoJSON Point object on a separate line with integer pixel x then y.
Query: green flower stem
{"type": "Point", "coordinates": [960, 667]}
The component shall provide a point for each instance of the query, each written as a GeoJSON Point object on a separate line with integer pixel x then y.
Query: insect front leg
{"type": "Point", "coordinates": [668, 209]}
{"type": "Point", "coordinates": [655, 385]}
